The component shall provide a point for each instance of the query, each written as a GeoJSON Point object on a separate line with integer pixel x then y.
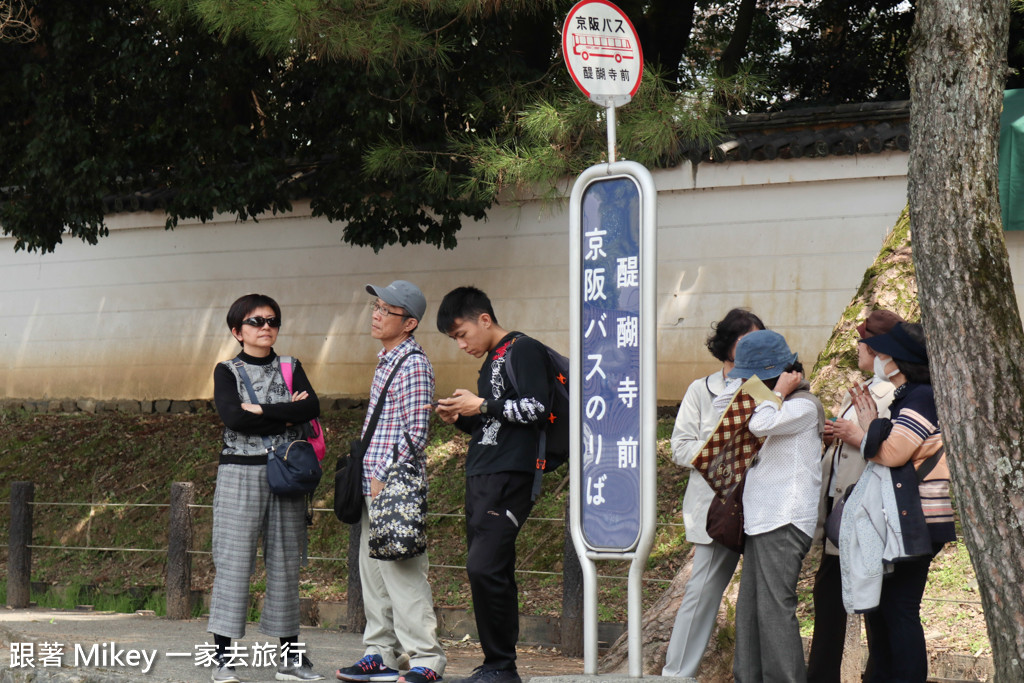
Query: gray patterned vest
{"type": "Point", "coordinates": [268, 383]}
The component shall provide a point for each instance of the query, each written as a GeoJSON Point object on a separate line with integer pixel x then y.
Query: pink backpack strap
{"type": "Point", "coordinates": [286, 371]}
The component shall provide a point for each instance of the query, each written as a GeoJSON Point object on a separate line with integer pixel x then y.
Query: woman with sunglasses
{"type": "Point", "coordinates": [244, 509]}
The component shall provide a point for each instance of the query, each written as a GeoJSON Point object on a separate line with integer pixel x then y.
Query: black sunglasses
{"type": "Point", "coordinates": [260, 321]}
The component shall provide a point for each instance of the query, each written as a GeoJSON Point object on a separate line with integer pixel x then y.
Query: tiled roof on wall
{"type": "Point", "coordinates": [866, 128]}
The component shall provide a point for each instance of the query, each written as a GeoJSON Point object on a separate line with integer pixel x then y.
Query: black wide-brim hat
{"type": "Point", "coordinates": [898, 343]}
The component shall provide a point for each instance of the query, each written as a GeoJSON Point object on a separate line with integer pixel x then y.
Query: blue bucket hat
{"type": "Point", "coordinates": [763, 353]}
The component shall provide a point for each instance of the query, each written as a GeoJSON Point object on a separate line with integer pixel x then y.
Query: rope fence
{"type": "Point", "coordinates": [180, 551]}
{"type": "Point", "coordinates": [319, 558]}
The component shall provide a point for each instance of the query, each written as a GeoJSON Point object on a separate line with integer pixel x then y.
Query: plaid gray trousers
{"type": "Point", "coordinates": [243, 511]}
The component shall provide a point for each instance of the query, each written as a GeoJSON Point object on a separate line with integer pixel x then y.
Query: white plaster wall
{"type": "Point", "coordinates": [141, 315]}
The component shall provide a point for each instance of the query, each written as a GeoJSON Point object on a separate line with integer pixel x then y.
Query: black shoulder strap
{"type": "Point", "coordinates": [240, 366]}
{"type": "Point", "coordinates": [929, 464]}
{"type": "Point", "coordinates": [372, 427]}
{"type": "Point", "coordinates": [508, 364]}
{"type": "Point", "coordinates": [542, 441]}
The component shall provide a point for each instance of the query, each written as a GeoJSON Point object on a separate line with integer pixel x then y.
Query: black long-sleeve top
{"type": "Point", "coordinates": [276, 416]}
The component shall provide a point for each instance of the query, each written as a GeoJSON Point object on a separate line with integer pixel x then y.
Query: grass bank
{"type": "Point", "coordinates": [87, 467]}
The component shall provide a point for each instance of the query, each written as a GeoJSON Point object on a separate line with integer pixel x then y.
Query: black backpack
{"type": "Point", "coordinates": [554, 435]}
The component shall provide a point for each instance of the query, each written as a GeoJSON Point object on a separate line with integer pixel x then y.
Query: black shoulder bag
{"type": "Point", "coordinates": [292, 467]}
{"type": "Point", "coordinates": [348, 473]}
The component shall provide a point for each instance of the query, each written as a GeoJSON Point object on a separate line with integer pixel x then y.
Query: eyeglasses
{"type": "Point", "coordinates": [260, 321]}
{"type": "Point", "coordinates": [385, 312]}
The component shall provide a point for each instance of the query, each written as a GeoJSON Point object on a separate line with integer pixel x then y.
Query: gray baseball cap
{"type": "Point", "coordinates": [403, 294]}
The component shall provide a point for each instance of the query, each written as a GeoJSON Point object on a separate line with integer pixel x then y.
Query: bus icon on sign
{"type": "Point", "coordinates": [587, 46]}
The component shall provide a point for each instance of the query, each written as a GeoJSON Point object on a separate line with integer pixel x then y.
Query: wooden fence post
{"type": "Point", "coordinates": [572, 596]}
{"type": "Point", "coordinates": [356, 613]}
{"type": "Point", "coordinates": [19, 554]}
{"type": "Point", "coordinates": [179, 545]}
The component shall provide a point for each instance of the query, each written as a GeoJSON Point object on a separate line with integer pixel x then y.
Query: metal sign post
{"type": "Point", "coordinates": [613, 419]}
{"type": "Point", "coordinates": [613, 462]}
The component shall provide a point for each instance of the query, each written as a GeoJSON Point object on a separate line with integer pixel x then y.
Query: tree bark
{"type": "Point", "coordinates": [572, 595]}
{"type": "Point", "coordinates": [970, 313]}
{"type": "Point", "coordinates": [891, 284]}
{"type": "Point", "coordinates": [656, 629]}
{"type": "Point", "coordinates": [179, 545]}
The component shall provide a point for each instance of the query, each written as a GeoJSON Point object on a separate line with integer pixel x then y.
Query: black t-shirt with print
{"type": "Point", "coordinates": [507, 437]}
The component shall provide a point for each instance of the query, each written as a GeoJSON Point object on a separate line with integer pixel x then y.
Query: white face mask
{"type": "Point", "coordinates": [879, 366]}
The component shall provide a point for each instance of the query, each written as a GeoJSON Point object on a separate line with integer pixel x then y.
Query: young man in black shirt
{"type": "Point", "coordinates": [500, 465]}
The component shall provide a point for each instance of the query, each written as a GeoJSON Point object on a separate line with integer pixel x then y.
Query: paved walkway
{"type": "Point", "coordinates": [90, 647]}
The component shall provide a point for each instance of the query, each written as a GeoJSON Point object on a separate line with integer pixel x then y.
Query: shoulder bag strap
{"type": "Point", "coordinates": [542, 445]}
{"type": "Point", "coordinates": [240, 366]}
{"type": "Point", "coordinates": [287, 371]}
{"type": "Point", "coordinates": [372, 427]}
{"type": "Point", "coordinates": [508, 365]}
{"type": "Point", "coordinates": [929, 464]}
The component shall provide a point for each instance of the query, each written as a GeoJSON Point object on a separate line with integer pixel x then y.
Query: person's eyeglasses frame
{"type": "Point", "coordinates": [384, 311]}
{"type": "Point", "coordinates": [259, 321]}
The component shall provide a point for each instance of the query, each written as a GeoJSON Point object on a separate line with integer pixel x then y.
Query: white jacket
{"type": "Point", "coordinates": [870, 538]}
{"type": "Point", "coordinates": [695, 422]}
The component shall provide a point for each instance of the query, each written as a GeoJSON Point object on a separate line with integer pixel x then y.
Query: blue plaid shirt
{"type": "Point", "coordinates": [412, 388]}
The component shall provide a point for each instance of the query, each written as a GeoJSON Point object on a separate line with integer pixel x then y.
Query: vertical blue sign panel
{"type": "Point", "coordinates": [610, 325]}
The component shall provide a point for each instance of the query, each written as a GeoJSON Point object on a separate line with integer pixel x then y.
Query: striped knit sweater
{"type": "Point", "coordinates": [912, 435]}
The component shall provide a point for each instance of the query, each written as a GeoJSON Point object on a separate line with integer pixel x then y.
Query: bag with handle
{"type": "Point", "coordinates": [348, 472]}
{"type": "Point", "coordinates": [725, 519]}
{"type": "Point", "coordinates": [398, 515]}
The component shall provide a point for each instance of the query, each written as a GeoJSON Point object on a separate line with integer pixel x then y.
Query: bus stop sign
{"type": "Point", "coordinates": [602, 51]}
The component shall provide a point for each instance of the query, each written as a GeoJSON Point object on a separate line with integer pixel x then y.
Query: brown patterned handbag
{"type": "Point", "coordinates": [724, 460]}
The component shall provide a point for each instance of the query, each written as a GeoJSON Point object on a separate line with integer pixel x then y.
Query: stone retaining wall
{"type": "Point", "coordinates": [132, 407]}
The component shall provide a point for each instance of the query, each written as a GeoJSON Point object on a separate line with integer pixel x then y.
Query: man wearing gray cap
{"type": "Point", "coordinates": [396, 588]}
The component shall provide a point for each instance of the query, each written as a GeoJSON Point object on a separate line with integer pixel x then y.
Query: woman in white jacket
{"type": "Point", "coordinates": [713, 563]}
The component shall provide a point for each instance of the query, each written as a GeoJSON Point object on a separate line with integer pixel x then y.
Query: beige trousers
{"type": "Point", "coordinates": [399, 607]}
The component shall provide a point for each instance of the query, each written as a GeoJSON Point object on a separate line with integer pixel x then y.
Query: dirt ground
{"type": "Point", "coordinates": [465, 655]}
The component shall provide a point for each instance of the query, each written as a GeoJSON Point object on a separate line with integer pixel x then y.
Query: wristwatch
{"type": "Point", "coordinates": [483, 407]}
{"type": "Point", "coordinates": [779, 394]}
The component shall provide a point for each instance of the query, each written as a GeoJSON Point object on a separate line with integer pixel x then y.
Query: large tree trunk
{"type": "Point", "coordinates": [890, 283]}
{"type": "Point", "coordinates": [657, 629]}
{"type": "Point", "coordinates": [970, 314]}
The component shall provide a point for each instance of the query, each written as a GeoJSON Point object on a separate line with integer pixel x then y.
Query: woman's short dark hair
{"type": "Point", "coordinates": [726, 331]}
{"type": "Point", "coordinates": [245, 305]}
{"type": "Point", "coordinates": [918, 373]}
{"type": "Point", "coordinates": [464, 303]}
{"type": "Point", "coordinates": [795, 366]}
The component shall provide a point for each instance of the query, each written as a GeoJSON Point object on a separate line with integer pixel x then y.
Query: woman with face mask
{"type": "Point", "coordinates": [841, 466]}
{"type": "Point", "coordinates": [909, 443]}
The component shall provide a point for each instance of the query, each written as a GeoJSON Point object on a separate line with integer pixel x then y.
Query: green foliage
{"type": "Point", "coordinates": [847, 51]}
{"type": "Point", "coordinates": [399, 118]}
